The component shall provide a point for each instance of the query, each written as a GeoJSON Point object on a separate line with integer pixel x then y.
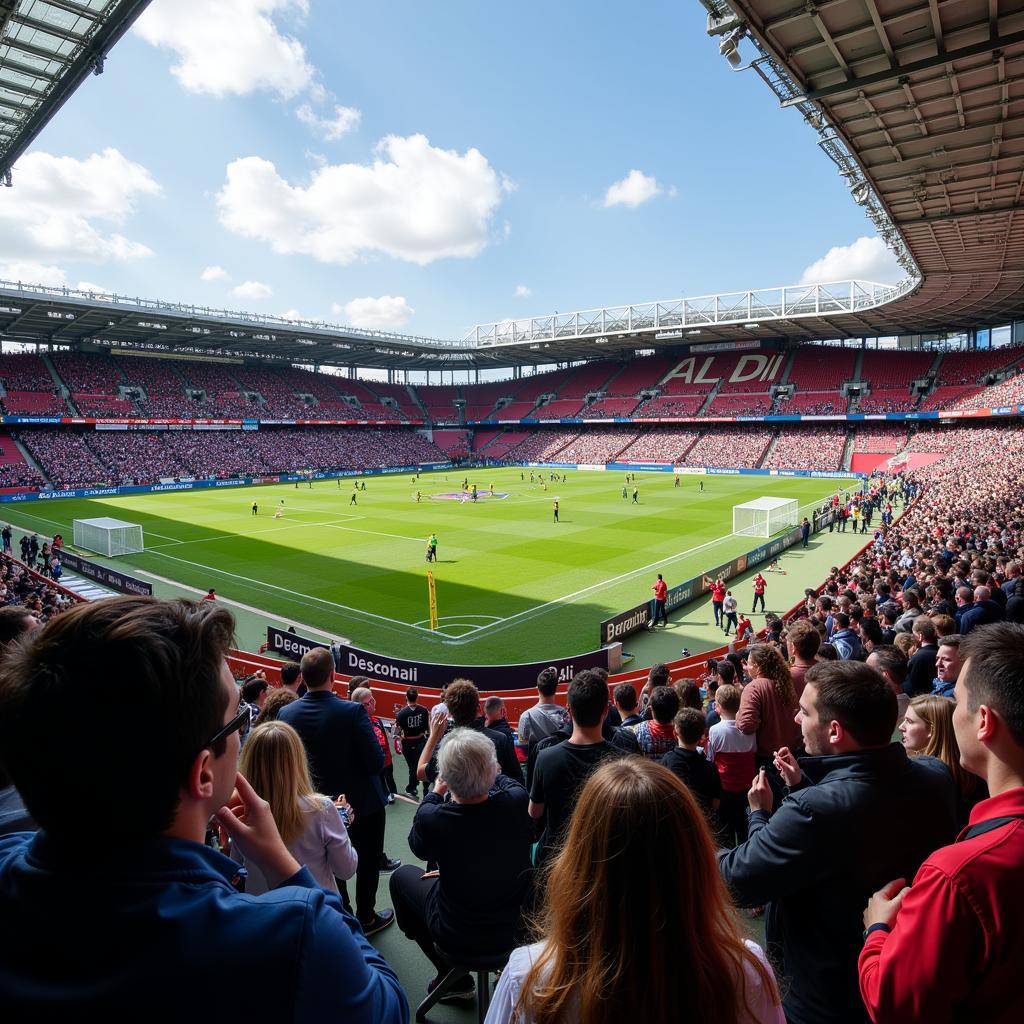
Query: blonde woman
{"type": "Point", "coordinates": [274, 762]}
{"type": "Point", "coordinates": [927, 730]}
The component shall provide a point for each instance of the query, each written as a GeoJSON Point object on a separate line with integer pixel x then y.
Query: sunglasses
{"type": "Point", "coordinates": [239, 721]}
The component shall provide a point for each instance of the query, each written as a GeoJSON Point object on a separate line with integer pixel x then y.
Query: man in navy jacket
{"type": "Point", "coordinates": [345, 757]}
{"type": "Point", "coordinates": [858, 813]}
{"type": "Point", "coordinates": [119, 724]}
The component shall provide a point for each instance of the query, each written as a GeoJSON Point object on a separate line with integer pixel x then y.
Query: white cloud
{"type": "Point", "coordinates": [90, 286]}
{"type": "Point", "coordinates": [414, 202]}
{"type": "Point", "coordinates": [867, 259]}
{"type": "Point", "coordinates": [214, 274]}
{"type": "Point", "coordinates": [252, 290]}
{"type": "Point", "coordinates": [386, 312]}
{"type": "Point", "coordinates": [33, 273]}
{"type": "Point", "coordinates": [331, 128]}
{"type": "Point", "coordinates": [293, 314]}
{"type": "Point", "coordinates": [230, 46]}
{"type": "Point", "coordinates": [634, 189]}
{"type": "Point", "coordinates": [63, 209]}
{"type": "Point", "coordinates": [523, 292]}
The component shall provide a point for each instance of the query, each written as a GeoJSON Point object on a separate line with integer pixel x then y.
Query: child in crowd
{"type": "Point", "coordinates": [732, 753]}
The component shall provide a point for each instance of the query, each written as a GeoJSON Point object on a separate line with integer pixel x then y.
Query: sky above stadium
{"type": "Point", "coordinates": [426, 165]}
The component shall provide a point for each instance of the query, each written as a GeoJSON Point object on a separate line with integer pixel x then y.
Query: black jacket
{"type": "Point", "coordinates": [344, 754]}
{"type": "Point", "coordinates": [855, 822]}
{"type": "Point", "coordinates": [921, 671]}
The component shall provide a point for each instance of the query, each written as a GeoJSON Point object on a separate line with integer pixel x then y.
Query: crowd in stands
{"type": "Point", "coordinates": [596, 447]}
{"type": "Point", "coordinates": [660, 444]}
{"type": "Point", "coordinates": [71, 459]}
{"type": "Point", "coordinates": [808, 448]}
{"type": "Point", "coordinates": [812, 403]}
{"type": "Point", "coordinates": [731, 446]}
{"type": "Point", "coordinates": [879, 439]}
{"type": "Point", "coordinates": [1010, 390]}
{"type": "Point", "coordinates": [883, 401]}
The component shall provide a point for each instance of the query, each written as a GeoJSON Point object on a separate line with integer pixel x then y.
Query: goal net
{"type": "Point", "coordinates": [764, 517]}
{"type": "Point", "coordinates": [108, 536]}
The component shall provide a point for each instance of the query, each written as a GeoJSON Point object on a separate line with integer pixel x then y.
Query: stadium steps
{"type": "Point", "coordinates": [418, 402]}
{"type": "Point", "coordinates": [772, 444]}
{"type": "Point", "coordinates": [858, 365]}
{"type": "Point", "coordinates": [784, 379]}
{"type": "Point", "coordinates": [847, 459]}
{"type": "Point", "coordinates": [933, 370]}
{"type": "Point", "coordinates": [27, 456]}
{"type": "Point", "coordinates": [86, 588]}
{"type": "Point", "coordinates": [711, 397]}
{"type": "Point", "coordinates": [61, 386]}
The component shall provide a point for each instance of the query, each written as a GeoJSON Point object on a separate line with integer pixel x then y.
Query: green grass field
{"type": "Point", "coordinates": [511, 584]}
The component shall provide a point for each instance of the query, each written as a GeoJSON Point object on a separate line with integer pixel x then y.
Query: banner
{"type": "Point", "coordinates": [104, 574]}
{"type": "Point", "coordinates": [352, 661]}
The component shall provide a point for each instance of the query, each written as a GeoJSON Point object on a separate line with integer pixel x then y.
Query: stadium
{"type": "Point", "coordinates": [635, 493]}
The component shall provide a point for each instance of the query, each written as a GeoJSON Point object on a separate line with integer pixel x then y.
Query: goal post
{"type": "Point", "coordinates": [110, 537]}
{"type": "Point", "coordinates": [764, 517]}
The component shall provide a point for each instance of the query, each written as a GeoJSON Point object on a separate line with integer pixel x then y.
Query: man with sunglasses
{"type": "Point", "coordinates": [119, 725]}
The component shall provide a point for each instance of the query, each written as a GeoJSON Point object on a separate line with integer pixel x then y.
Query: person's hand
{"type": "Point", "coordinates": [341, 803]}
{"type": "Point", "coordinates": [759, 796]}
{"type": "Point", "coordinates": [884, 905]}
{"type": "Point", "coordinates": [440, 786]}
{"type": "Point", "coordinates": [429, 874]}
{"type": "Point", "coordinates": [785, 764]}
{"type": "Point", "coordinates": [247, 820]}
{"type": "Point", "coordinates": [438, 720]}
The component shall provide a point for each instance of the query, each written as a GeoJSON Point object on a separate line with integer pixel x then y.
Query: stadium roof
{"type": "Point", "coordinates": [917, 102]}
{"type": "Point", "coordinates": [47, 49]}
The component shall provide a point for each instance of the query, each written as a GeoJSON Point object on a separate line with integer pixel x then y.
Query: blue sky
{"type": "Point", "coordinates": [425, 166]}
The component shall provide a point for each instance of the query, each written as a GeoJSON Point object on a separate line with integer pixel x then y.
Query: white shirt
{"type": "Point", "coordinates": [729, 605]}
{"type": "Point", "coordinates": [763, 1006]}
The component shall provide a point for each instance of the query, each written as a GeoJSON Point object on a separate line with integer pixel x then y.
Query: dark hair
{"type": "Point", "coordinates": [870, 630]}
{"type": "Point", "coordinates": [547, 681]}
{"type": "Point", "coordinates": [857, 697]}
{"type": "Point", "coordinates": [625, 696]}
{"type": "Point", "coordinates": [588, 698]}
{"type": "Point", "coordinates": [290, 671]}
{"type": "Point", "coordinates": [463, 700]}
{"type": "Point", "coordinates": [827, 652]}
{"type": "Point", "coordinates": [664, 704]}
{"type": "Point", "coordinates": [658, 675]}
{"type": "Point", "coordinates": [64, 724]}
{"type": "Point", "coordinates": [690, 725]}
{"type": "Point", "coordinates": [996, 656]}
{"type": "Point", "coordinates": [891, 659]}
{"type": "Point", "coordinates": [925, 629]}
{"type": "Point", "coordinates": [492, 704]}
{"type": "Point", "coordinates": [726, 671]}
{"type": "Point", "coordinates": [252, 688]}
{"type": "Point", "coordinates": [688, 693]}
{"type": "Point", "coordinates": [358, 683]}
{"type": "Point", "coordinates": [13, 622]}
{"type": "Point", "coordinates": [953, 640]}
{"type": "Point", "coordinates": [412, 695]}
{"type": "Point", "coordinates": [317, 665]}
{"type": "Point", "coordinates": [842, 620]}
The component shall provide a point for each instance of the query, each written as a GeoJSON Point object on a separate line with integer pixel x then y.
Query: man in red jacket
{"type": "Point", "coordinates": [950, 947]}
{"type": "Point", "coordinates": [660, 589]}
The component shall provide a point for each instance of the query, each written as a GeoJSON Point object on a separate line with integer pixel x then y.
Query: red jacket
{"type": "Point", "coordinates": [660, 589]}
{"type": "Point", "coordinates": [957, 947]}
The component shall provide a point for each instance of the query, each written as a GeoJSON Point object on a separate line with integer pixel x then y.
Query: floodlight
{"type": "Point", "coordinates": [730, 51]}
{"type": "Point", "coordinates": [861, 192]}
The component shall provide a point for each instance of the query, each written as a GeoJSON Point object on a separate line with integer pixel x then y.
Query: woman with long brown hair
{"type": "Point", "coordinates": [608, 952]}
{"type": "Point", "coordinates": [768, 710]}
{"type": "Point", "coordinates": [927, 730]}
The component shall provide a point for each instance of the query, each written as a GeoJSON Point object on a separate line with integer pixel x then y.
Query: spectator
{"type": "Point", "coordinates": [891, 662]}
{"type": "Point", "coordinates": [858, 810]}
{"type": "Point", "coordinates": [547, 716]}
{"type": "Point", "coordinates": [982, 612]}
{"type": "Point", "coordinates": [927, 729]}
{"type": "Point", "coordinates": [733, 755]}
{"type": "Point", "coordinates": [480, 840]}
{"type": "Point", "coordinates": [845, 640]}
{"type": "Point", "coordinates": [345, 758]}
{"type": "Point", "coordinates": [624, 698]}
{"type": "Point", "coordinates": [462, 706]}
{"type": "Point", "coordinates": [411, 725]}
{"type": "Point", "coordinates": [947, 666]}
{"type": "Point", "coordinates": [291, 678]}
{"type": "Point", "coordinates": [137, 823]}
{"type": "Point", "coordinates": [274, 763]}
{"type": "Point", "coordinates": [583, 966]}
{"type": "Point", "coordinates": [690, 765]}
{"type": "Point", "coordinates": [657, 737]}
{"type": "Point", "coordinates": [802, 643]}
{"type": "Point", "coordinates": [921, 668]}
{"type": "Point", "coordinates": [949, 948]}
{"type": "Point", "coordinates": [363, 695]}
{"type": "Point", "coordinates": [562, 768]}
{"type": "Point", "coordinates": [768, 708]}
{"type": "Point", "coordinates": [277, 699]}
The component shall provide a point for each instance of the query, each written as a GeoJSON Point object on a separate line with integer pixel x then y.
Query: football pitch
{"type": "Point", "coordinates": [511, 584]}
